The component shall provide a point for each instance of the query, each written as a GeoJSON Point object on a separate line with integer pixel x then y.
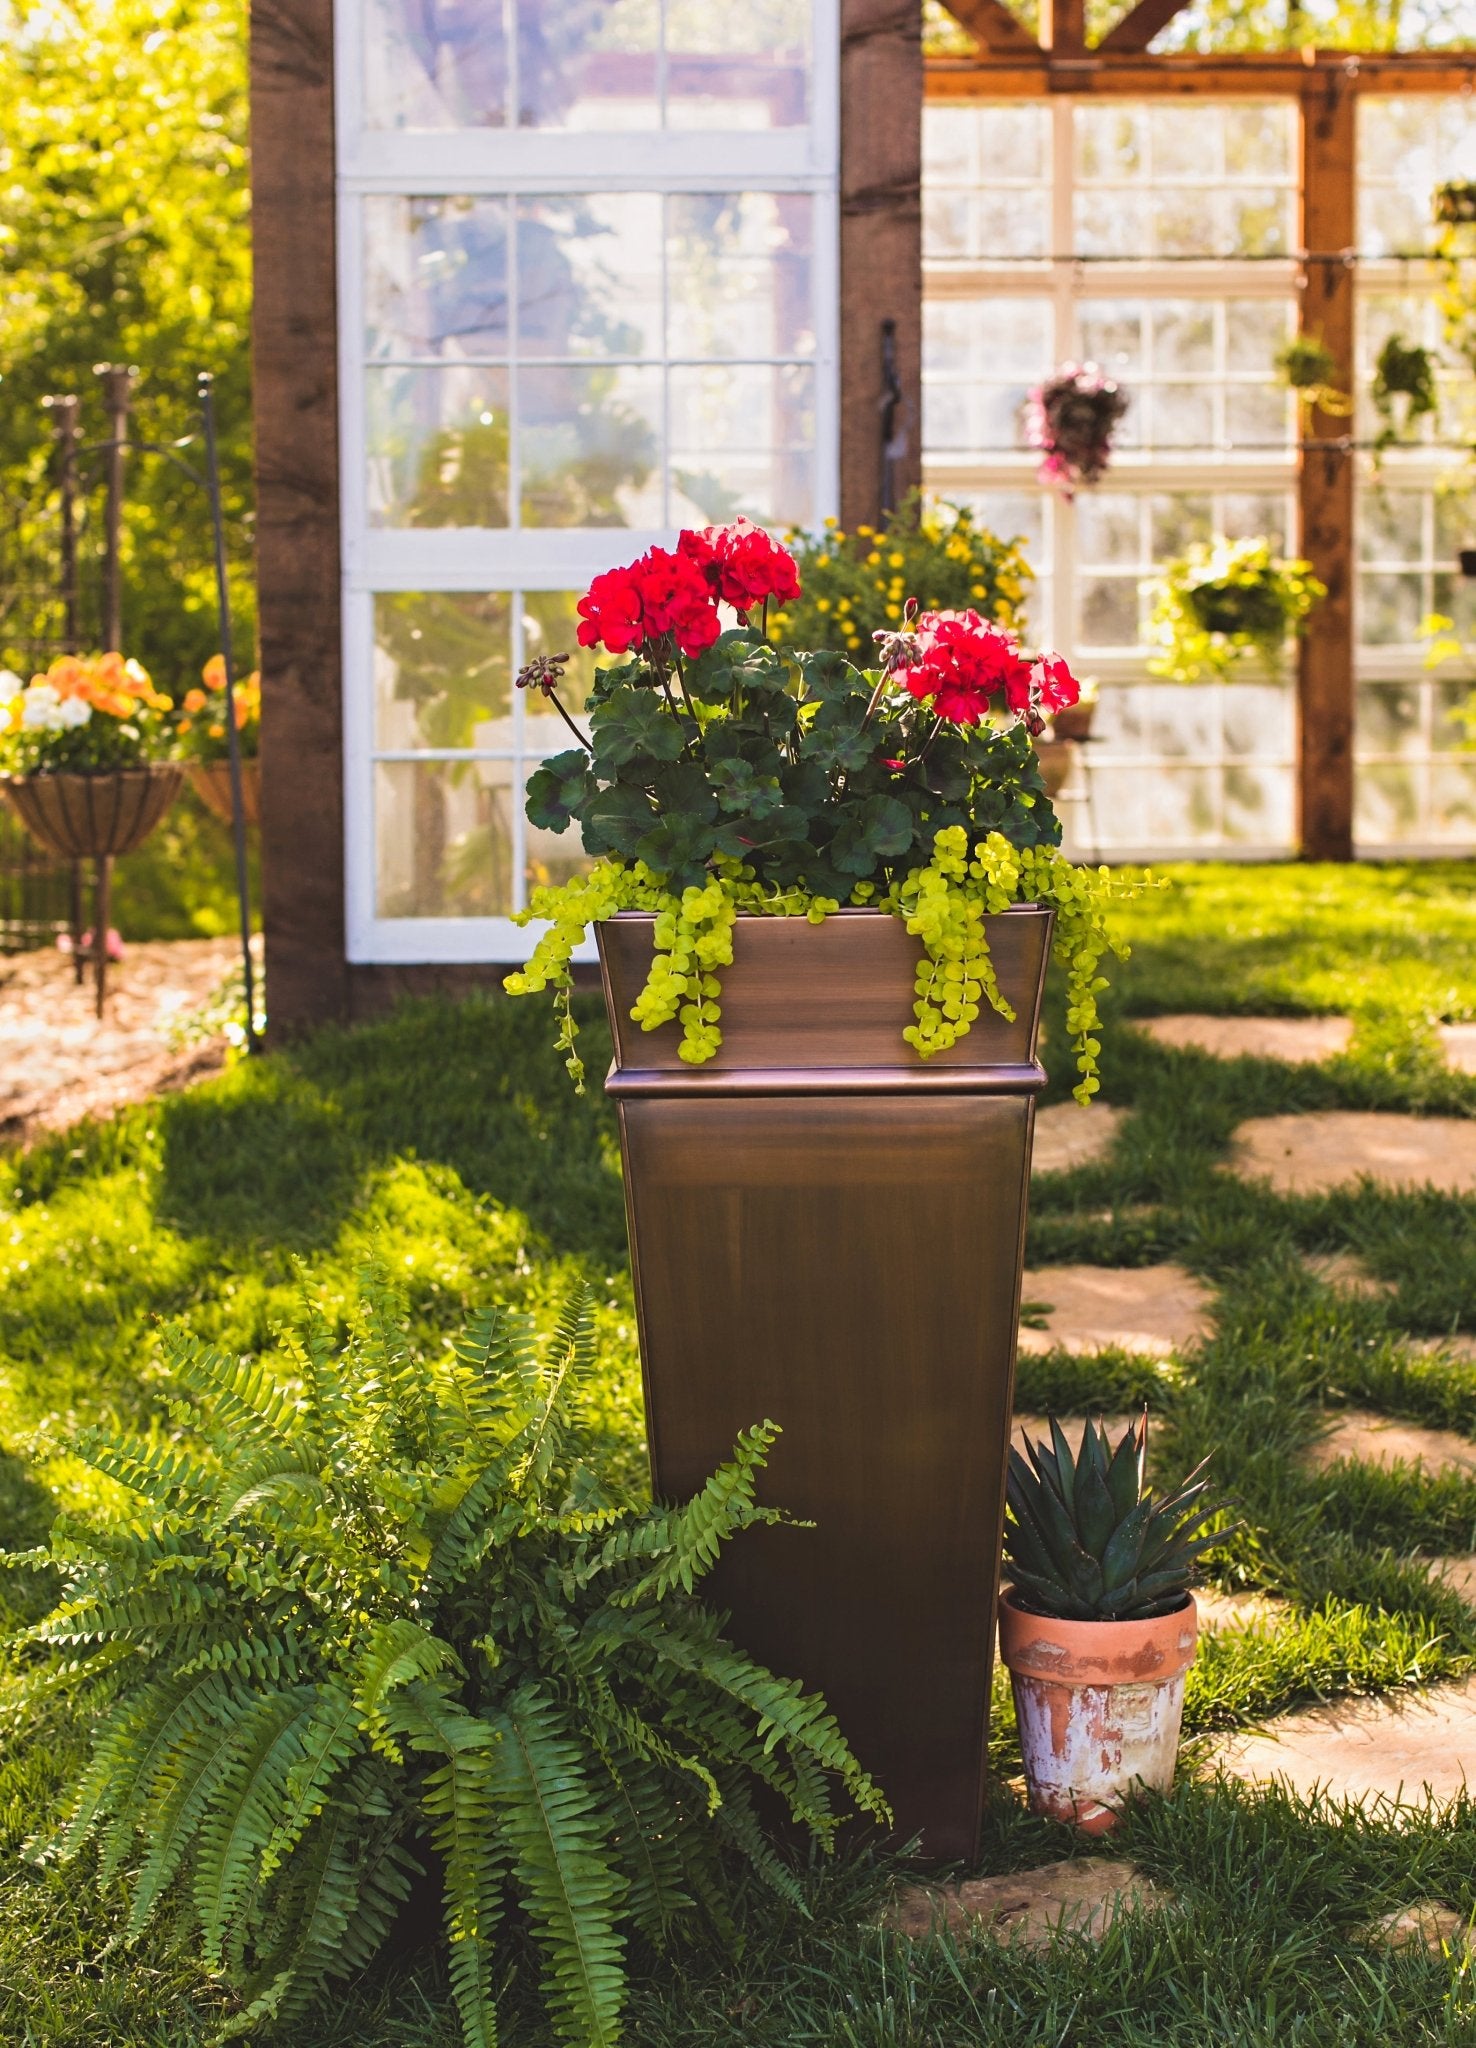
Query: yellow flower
{"type": "Point", "coordinates": [874, 557]}
{"type": "Point", "coordinates": [822, 604]}
{"type": "Point", "coordinates": [977, 590]}
{"type": "Point", "coordinates": [894, 611]}
{"type": "Point", "coordinates": [834, 525]}
{"type": "Point", "coordinates": [894, 561]}
{"type": "Point", "coordinates": [866, 532]}
{"type": "Point", "coordinates": [843, 604]}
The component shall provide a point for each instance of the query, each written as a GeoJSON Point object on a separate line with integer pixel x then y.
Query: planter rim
{"type": "Point", "coordinates": [1097, 1652]}
{"type": "Point", "coordinates": [91, 774]}
{"type": "Point", "coordinates": [846, 910]}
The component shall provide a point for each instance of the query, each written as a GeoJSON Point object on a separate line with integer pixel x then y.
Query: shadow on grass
{"type": "Point", "coordinates": [277, 1152]}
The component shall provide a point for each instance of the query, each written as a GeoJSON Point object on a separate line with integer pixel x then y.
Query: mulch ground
{"type": "Point", "coordinates": [58, 1062]}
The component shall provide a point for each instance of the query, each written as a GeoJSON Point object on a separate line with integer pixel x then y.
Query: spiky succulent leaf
{"type": "Point", "coordinates": [1087, 1539]}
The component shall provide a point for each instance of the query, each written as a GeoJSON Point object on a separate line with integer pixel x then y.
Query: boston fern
{"type": "Point", "coordinates": [1087, 1540]}
{"type": "Point", "coordinates": [384, 1618]}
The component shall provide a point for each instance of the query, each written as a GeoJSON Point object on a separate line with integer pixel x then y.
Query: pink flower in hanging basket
{"type": "Point", "coordinates": [1071, 418]}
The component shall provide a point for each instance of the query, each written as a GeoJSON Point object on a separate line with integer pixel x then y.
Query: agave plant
{"type": "Point", "coordinates": [372, 1604]}
{"type": "Point", "coordinates": [1087, 1540]}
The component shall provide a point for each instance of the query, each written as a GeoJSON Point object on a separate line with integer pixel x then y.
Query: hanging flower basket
{"type": "Point", "coordinates": [211, 782]}
{"type": "Point", "coordinates": [1071, 418]}
{"type": "Point", "coordinates": [93, 814]}
{"type": "Point", "coordinates": [1224, 603]}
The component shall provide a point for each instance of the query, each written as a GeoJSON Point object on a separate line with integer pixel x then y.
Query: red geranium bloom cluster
{"type": "Point", "coordinates": [1056, 688]}
{"type": "Point", "coordinates": [966, 663]}
{"type": "Point", "coordinates": [743, 565]}
{"type": "Point", "coordinates": [661, 593]}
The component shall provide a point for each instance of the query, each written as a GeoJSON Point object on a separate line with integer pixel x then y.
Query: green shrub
{"type": "Point", "coordinates": [386, 1608]}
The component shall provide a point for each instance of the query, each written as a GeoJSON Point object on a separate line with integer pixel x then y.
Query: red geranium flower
{"type": "Point", "coordinates": [744, 565]}
{"type": "Point", "coordinates": [965, 662]}
{"type": "Point", "coordinates": [1056, 687]}
{"type": "Point", "coordinates": [661, 593]}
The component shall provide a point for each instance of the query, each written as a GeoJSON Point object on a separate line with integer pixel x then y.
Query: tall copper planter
{"type": "Point", "coordinates": [828, 1231]}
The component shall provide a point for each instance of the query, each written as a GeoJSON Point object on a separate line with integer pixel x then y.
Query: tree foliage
{"type": "Point", "coordinates": [371, 1610]}
{"type": "Point", "coordinates": [125, 238]}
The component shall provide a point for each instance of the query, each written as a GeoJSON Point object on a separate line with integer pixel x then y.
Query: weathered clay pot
{"type": "Point", "coordinates": [827, 1230]}
{"type": "Point", "coordinates": [211, 782]}
{"type": "Point", "coordinates": [93, 816]}
{"type": "Point", "coordinates": [1074, 722]}
{"type": "Point", "coordinates": [1055, 757]}
{"type": "Point", "coordinates": [1099, 1706]}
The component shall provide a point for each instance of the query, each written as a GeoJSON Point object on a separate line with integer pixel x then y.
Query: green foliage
{"type": "Point", "coordinates": [855, 584]}
{"type": "Point", "coordinates": [1223, 602]}
{"type": "Point", "coordinates": [1087, 1540]}
{"type": "Point", "coordinates": [125, 239]}
{"type": "Point", "coordinates": [1404, 371]}
{"type": "Point", "coordinates": [369, 1603]}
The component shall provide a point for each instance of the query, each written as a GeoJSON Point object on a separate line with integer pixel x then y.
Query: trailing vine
{"type": "Point", "coordinates": [724, 776]}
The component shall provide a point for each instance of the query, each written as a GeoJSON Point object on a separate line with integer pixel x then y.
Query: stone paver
{"type": "Point", "coordinates": [1460, 1347]}
{"type": "Point", "coordinates": [1379, 1440]}
{"type": "Point", "coordinates": [1152, 1310]}
{"type": "Point", "coordinates": [1068, 1135]}
{"type": "Point", "coordinates": [1080, 1896]}
{"type": "Point", "coordinates": [1346, 1272]}
{"type": "Point", "coordinates": [1364, 1749]}
{"type": "Point", "coordinates": [1307, 1155]}
{"type": "Point", "coordinates": [1427, 1924]}
{"type": "Point", "coordinates": [59, 1063]}
{"type": "Point", "coordinates": [1458, 1042]}
{"type": "Point", "coordinates": [1459, 1573]}
{"type": "Point", "coordinates": [1248, 1612]}
{"type": "Point", "coordinates": [1295, 1039]}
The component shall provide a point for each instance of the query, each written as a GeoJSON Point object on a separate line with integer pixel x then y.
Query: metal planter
{"type": "Point", "coordinates": [828, 1231]}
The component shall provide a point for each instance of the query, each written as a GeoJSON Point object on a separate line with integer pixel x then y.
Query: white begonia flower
{"type": "Point", "coordinates": [41, 709]}
{"type": "Point", "coordinates": [11, 686]}
{"type": "Point", "coordinates": [75, 711]}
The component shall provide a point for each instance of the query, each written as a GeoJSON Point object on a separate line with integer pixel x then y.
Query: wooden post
{"type": "Point", "coordinates": [294, 356]}
{"type": "Point", "coordinates": [881, 89]}
{"type": "Point", "coordinates": [1325, 696]}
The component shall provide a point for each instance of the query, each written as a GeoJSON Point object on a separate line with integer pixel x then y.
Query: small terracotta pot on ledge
{"type": "Point", "coordinates": [1099, 1706]}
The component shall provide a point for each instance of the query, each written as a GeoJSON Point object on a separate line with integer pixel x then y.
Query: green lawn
{"type": "Point", "coordinates": [446, 1141]}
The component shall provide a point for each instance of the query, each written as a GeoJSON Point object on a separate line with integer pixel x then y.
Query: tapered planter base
{"type": "Point", "coordinates": [827, 1231]}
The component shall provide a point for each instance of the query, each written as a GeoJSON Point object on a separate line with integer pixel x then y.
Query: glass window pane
{"type": "Point", "coordinates": [742, 442]}
{"type": "Point", "coordinates": [1113, 333]}
{"type": "Point", "coordinates": [443, 839]}
{"type": "Point", "coordinates": [589, 274]}
{"type": "Point", "coordinates": [1258, 416]}
{"type": "Point", "coordinates": [1181, 416]}
{"type": "Point", "coordinates": [442, 668]}
{"type": "Point", "coordinates": [1176, 523]}
{"type": "Point", "coordinates": [737, 67]}
{"type": "Point", "coordinates": [583, 67]}
{"type": "Point", "coordinates": [432, 65]}
{"type": "Point", "coordinates": [1391, 526]}
{"type": "Point", "coordinates": [1254, 330]}
{"type": "Point", "coordinates": [1109, 611]}
{"type": "Point", "coordinates": [1109, 529]}
{"type": "Point", "coordinates": [551, 626]}
{"type": "Point", "coordinates": [435, 281]}
{"type": "Point", "coordinates": [589, 447]}
{"type": "Point", "coordinates": [437, 446]}
{"type": "Point", "coordinates": [1260, 139]}
{"type": "Point", "coordinates": [1183, 336]}
{"type": "Point", "coordinates": [738, 274]}
{"type": "Point", "coordinates": [1389, 610]}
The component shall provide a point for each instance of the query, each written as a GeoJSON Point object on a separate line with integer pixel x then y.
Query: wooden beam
{"type": "Point", "coordinates": [1254, 73]}
{"type": "Point", "coordinates": [994, 25]}
{"type": "Point", "coordinates": [1137, 28]}
{"type": "Point", "coordinates": [880, 247]}
{"type": "Point", "coordinates": [1063, 27]}
{"type": "Point", "coordinates": [294, 339]}
{"type": "Point", "coordinates": [1325, 697]}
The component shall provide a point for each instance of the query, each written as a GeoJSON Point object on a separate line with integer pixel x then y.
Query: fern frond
{"type": "Point", "coordinates": [265, 1743]}
{"type": "Point", "coordinates": [698, 1531]}
{"type": "Point", "coordinates": [567, 1878]}
{"type": "Point", "coordinates": [397, 1653]}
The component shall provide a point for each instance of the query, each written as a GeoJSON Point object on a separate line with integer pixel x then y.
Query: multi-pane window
{"type": "Point", "coordinates": [588, 297]}
{"type": "Point", "coordinates": [1159, 239]}
{"type": "Point", "coordinates": [1416, 782]}
{"type": "Point", "coordinates": [1155, 239]}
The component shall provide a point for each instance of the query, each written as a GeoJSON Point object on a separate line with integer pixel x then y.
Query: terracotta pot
{"type": "Point", "coordinates": [1466, 560]}
{"type": "Point", "coordinates": [96, 815]}
{"type": "Point", "coordinates": [1099, 1706]}
{"type": "Point", "coordinates": [211, 782]}
{"type": "Point", "coordinates": [1075, 722]}
{"type": "Point", "coordinates": [828, 1231]}
{"type": "Point", "coordinates": [1055, 757]}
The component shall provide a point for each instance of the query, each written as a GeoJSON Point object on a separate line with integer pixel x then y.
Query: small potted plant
{"type": "Point", "coordinates": [201, 725]}
{"type": "Point", "coordinates": [1308, 367]}
{"type": "Point", "coordinates": [1099, 1625]}
{"type": "Point", "coordinates": [1454, 202]}
{"type": "Point", "coordinates": [1226, 602]}
{"type": "Point", "coordinates": [825, 883]}
{"type": "Point", "coordinates": [1403, 389]}
{"type": "Point", "coordinates": [1071, 418]}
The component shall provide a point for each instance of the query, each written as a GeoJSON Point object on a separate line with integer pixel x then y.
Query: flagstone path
{"type": "Point", "coordinates": [59, 1063]}
{"type": "Point", "coordinates": [1397, 1747]}
{"type": "Point", "coordinates": [1297, 1040]}
{"type": "Point", "coordinates": [1068, 1135]}
{"type": "Point", "coordinates": [1324, 1149]}
{"type": "Point", "coordinates": [1346, 1272]}
{"type": "Point", "coordinates": [1153, 1311]}
{"type": "Point", "coordinates": [1381, 1440]}
{"type": "Point", "coordinates": [1082, 1895]}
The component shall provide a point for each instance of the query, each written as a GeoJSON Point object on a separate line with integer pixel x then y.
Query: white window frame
{"type": "Point", "coordinates": [484, 162]}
